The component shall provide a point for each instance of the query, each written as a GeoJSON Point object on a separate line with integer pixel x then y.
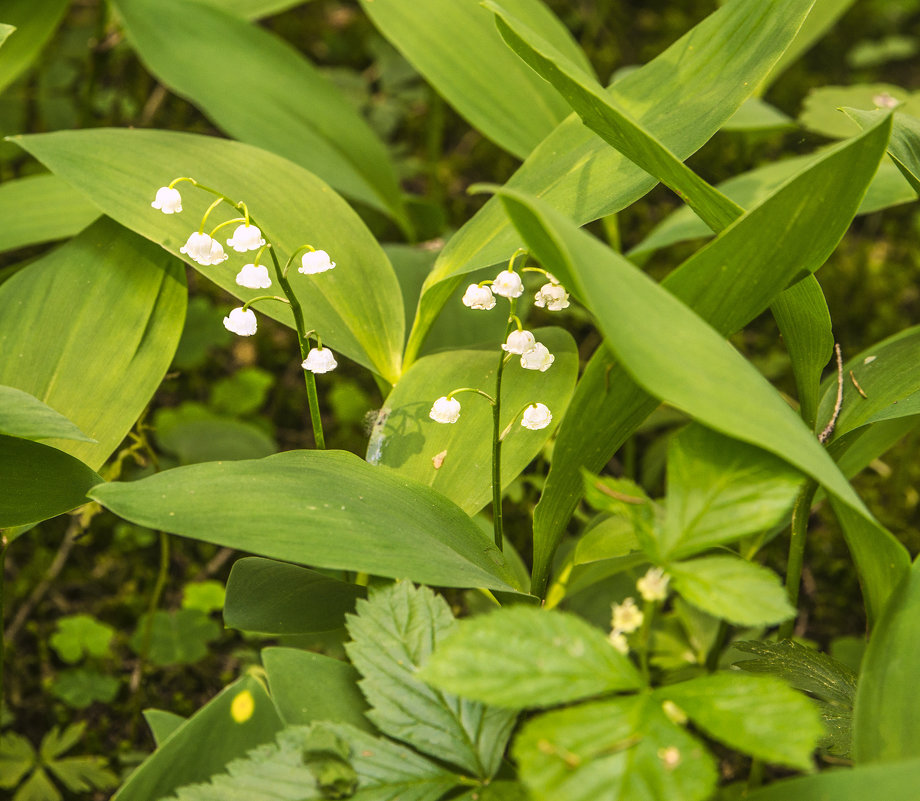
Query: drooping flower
{"type": "Point", "coordinates": [445, 410]}
{"type": "Point", "coordinates": [168, 200]}
{"type": "Point", "coordinates": [315, 261]}
{"type": "Point", "coordinates": [254, 276]}
{"type": "Point", "coordinates": [204, 250]}
{"type": "Point", "coordinates": [537, 358]}
{"type": "Point", "coordinates": [241, 321]}
{"type": "Point", "coordinates": [552, 297]}
{"type": "Point", "coordinates": [627, 617]}
{"type": "Point", "coordinates": [519, 342]}
{"type": "Point", "coordinates": [479, 297]}
{"type": "Point", "coordinates": [246, 237]}
{"type": "Point", "coordinates": [536, 416]}
{"type": "Point", "coordinates": [653, 586]}
{"type": "Point", "coordinates": [319, 360]}
{"type": "Point", "coordinates": [508, 284]}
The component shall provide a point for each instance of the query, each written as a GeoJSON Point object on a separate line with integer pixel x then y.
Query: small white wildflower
{"type": "Point", "coordinates": [254, 276]}
{"type": "Point", "coordinates": [653, 586]}
{"type": "Point", "coordinates": [537, 358]}
{"type": "Point", "coordinates": [674, 712]}
{"type": "Point", "coordinates": [319, 360]}
{"type": "Point", "coordinates": [536, 416]}
{"type": "Point", "coordinates": [552, 297]}
{"type": "Point", "coordinates": [315, 261]}
{"type": "Point", "coordinates": [478, 297]}
{"type": "Point", "coordinates": [670, 756]}
{"type": "Point", "coordinates": [246, 237]}
{"type": "Point", "coordinates": [885, 100]}
{"type": "Point", "coordinates": [445, 410]}
{"type": "Point", "coordinates": [204, 250]}
{"type": "Point", "coordinates": [627, 617]}
{"type": "Point", "coordinates": [241, 321]}
{"type": "Point", "coordinates": [519, 342]}
{"type": "Point", "coordinates": [618, 640]}
{"type": "Point", "coordinates": [168, 200]}
{"type": "Point", "coordinates": [508, 284]}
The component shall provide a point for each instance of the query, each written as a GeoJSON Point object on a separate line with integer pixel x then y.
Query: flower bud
{"type": "Point", "coordinates": [536, 416]}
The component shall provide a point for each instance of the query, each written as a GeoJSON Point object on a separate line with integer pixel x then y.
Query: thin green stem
{"type": "Point", "coordinates": [798, 532]}
{"type": "Point", "coordinates": [497, 522]}
{"type": "Point", "coordinates": [645, 637]}
{"type": "Point", "coordinates": [3, 546]}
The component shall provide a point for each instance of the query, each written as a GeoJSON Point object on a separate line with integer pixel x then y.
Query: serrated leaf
{"type": "Point", "coordinates": [731, 589]}
{"type": "Point", "coordinates": [17, 758]}
{"type": "Point", "coordinates": [38, 787]}
{"type": "Point", "coordinates": [758, 715]}
{"type": "Point", "coordinates": [82, 774]}
{"type": "Point", "coordinates": [393, 634]}
{"type": "Point", "coordinates": [81, 687]}
{"type": "Point", "coordinates": [176, 638]}
{"type": "Point", "coordinates": [77, 635]}
{"type": "Point", "coordinates": [57, 742]}
{"type": "Point", "coordinates": [522, 657]}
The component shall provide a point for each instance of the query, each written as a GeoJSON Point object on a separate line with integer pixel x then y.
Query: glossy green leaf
{"type": "Point", "coordinates": [904, 145]}
{"type": "Point", "coordinates": [260, 90]}
{"type": "Point", "coordinates": [612, 749]}
{"type": "Point", "coordinates": [24, 415]}
{"type": "Point", "coordinates": [521, 657]}
{"type": "Point", "coordinates": [272, 597]}
{"type": "Point", "coordinates": [244, 716]}
{"type": "Point", "coordinates": [886, 719]}
{"type": "Point", "coordinates": [406, 439]}
{"type": "Point", "coordinates": [393, 635]}
{"type": "Point", "coordinates": [41, 208]}
{"type": "Point", "coordinates": [193, 433]}
{"type": "Point", "coordinates": [757, 715]}
{"type": "Point", "coordinates": [162, 723]}
{"type": "Point", "coordinates": [306, 686]}
{"type": "Point", "coordinates": [755, 114]}
{"type": "Point", "coordinates": [96, 368]}
{"type": "Point", "coordinates": [682, 97]}
{"type": "Point", "coordinates": [821, 110]}
{"type": "Point", "coordinates": [454, 44]}
{"type": "Point", "coordinates": [35, 22]}
{"type": "Point", "coordinates": [254, 9]}
{"type": "Point", "coordinates": [324, 508]}
{"type": "Point", "coordinates": [39, 482]}
{"type": "Point", "coordinates": [719, 490]}
{"type": "Point", "coordinates": [613, 123]}
{"type": "Point", "coordinates": [356, 307]}
{"type": "Point", "coordinates": [731, 589]}
{"type": "Point", "coordinates": [894, 781]}
{"type": "Point", "coordinates": [5, 31]}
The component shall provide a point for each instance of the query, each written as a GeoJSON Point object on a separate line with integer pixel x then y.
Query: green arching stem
{"type": "Point", "coordinates": [207, 214]}
{"type": "Point", "coordinates": [798, 531]}
{"type": "Point", "coordinates": [225, 223]}
{"type": "Point", "coordinates": [486, 395]}
{"type": "Point", "coordinates": [249, 303]}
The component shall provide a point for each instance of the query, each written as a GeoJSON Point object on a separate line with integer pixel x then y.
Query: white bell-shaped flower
{"type": "Point", "coordinates": [246, 237]}
{"type": "Point", "coordinates": [319, 360]}
{"type": "Point", "coordinates": [168, 200]}
{"type": "Point", "coordinates": [445, 410]}
{"type": "Point", "coordinates": [519, 342]}
{"type": "Point", "coordinates": [537, 358]}
{"type": "Point", "coordinates": [552, 297]}
{"type": "Point", "coordinates": [536, 416]}
{"type": "Point", "coordinates": [203, 249]}
{"type": "Point", "coordinates": [508, 284]}
{"type": "Point", "coordinates": [241, 321]}
{"type": "Point", "coordinates": [254, 276]}
{"type": "Point", "coordinates": [478, 297]}
{"type": "Point", "coordinates": [315, 261]}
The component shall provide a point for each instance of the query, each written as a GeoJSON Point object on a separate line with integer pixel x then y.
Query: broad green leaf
{"type": "Point", "coordinates": [275, 99]}
{"type": "Point", "coordinates": [272, 597]}
{"type": "Point", "coordinates": [881, 560]}
{"type": "Point", "coordinates": [193, 433]}
{"type": "Point", "coordinates": [5, 31]}
{"type": "Point", "coordinates": [176, 638]}
{"type": "Point", "coordinates": [254, 9]}
{"type": "Point", "coordinates": [81, 635]}
{"type": "Point", "coordinates": [393, 635]}
{"type": "Point", "coordinates": [719, 490]}
{"type": "Point", "coordinates": [805, 324]}
{"type": "Point", "coordinates": [890, 387]}
{"type": "Point", "coordinates": [856, 451]}
{"type": "Point", "coordinates": [162, 723]}
{"type": "Point", "coordinates": [324, 508]}
{"type": "Point", "coordinates": [455, 458]}
{"type": "Point", "coordinates": [886, 718]}
{"type": "Point", "coordinates": [307, 687]}
{"type": "Point", "coordinates": [757, 715]}
{"type": "Point", "coordinates": [242, 393]}
{"type": "Point", "coordinates": [454, 45]}
{"type": "Point", "coordinates": [893, 781]}
{"type": "Point", "coordinates": [97, 368]}
{"type": "Point", "coordinates": [821, 110]}
{"type": "Point", "coordinates": [244, 717]}
{"type": "Point", "coordinates": [904, 145]}
{"type": "Point", "coordinates": [613, 123]}
{"type": "Point", "coordinates": [35, 22]}
{"type": "Point", "coordinates": [24, 415]}
{"type": "Point", "coordinates": [356, 307]}
{"type": "Point", "coordinates": [80, 687]}
{"type": "Point", "coordinates": [731, 589]}
{"type": "Point", "coordinates": [682, 97]}
{"type": "Point", "coordinates": [205, 596]}
{"type": "Point", "coordinates": [521, 657]}
{"type": "Point", "coordinates": [625, 749]}
{"type": "Point", "coordinates": [39, 482]}
{"type": "Point", "coordinates": [41, 208]}
{"type": "Point", "coordinates": [755, 114]}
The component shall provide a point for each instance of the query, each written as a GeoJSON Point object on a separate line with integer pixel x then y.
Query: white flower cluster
{"type": "Point", "coordinates": [552, 296]}
{"type": "Point", "coordinates": [627, 617]}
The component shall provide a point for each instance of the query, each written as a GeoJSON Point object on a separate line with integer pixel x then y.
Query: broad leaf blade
{"type": "Point", "coordinates": [24, 415]}
{"type": "Point", "coordinates": [324, 508]}
{"type": "Point", "coordinates": [393, 636]}
{"type": "Point", "coordinates": [894, 781]}
{"type": "Point", "coordinates": [35, 22]}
